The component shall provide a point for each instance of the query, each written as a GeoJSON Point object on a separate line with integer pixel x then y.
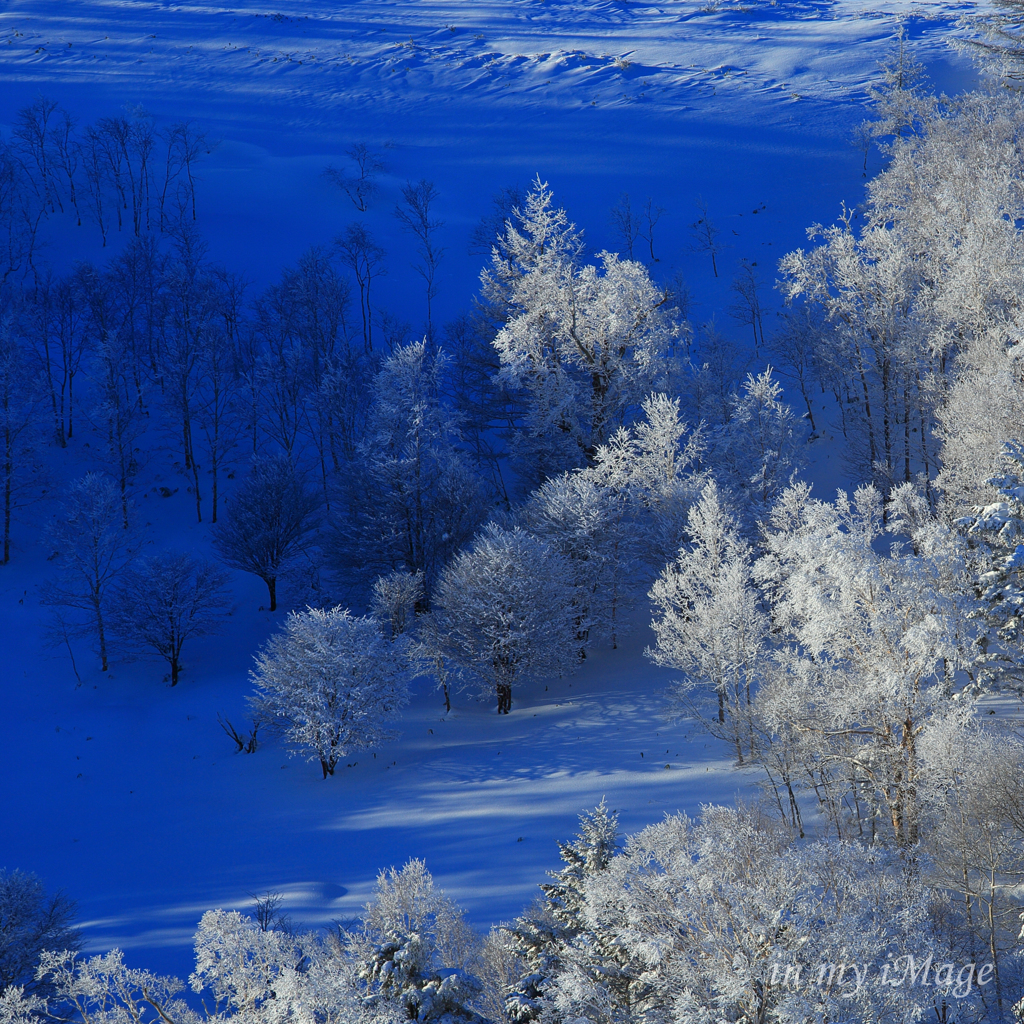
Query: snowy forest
{"type": "Point", "coordinates": [467, 506]}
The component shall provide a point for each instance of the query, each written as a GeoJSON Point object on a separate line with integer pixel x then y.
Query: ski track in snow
{"type": "Point", "coordinates": [126, 792]}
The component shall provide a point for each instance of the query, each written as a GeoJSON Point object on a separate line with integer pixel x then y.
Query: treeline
{"type": "Point", "coordinates": [722, 917]}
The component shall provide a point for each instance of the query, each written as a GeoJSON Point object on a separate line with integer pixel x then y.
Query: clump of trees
{"type": "Point", "coordinates": [723, 916]}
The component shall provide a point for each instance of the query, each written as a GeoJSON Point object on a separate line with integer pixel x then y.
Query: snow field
{"type": "Point", "coordinates": [124, 791]}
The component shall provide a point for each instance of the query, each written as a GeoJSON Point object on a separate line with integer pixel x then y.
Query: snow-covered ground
{"type": "Point", "coordinates": [125, 791]}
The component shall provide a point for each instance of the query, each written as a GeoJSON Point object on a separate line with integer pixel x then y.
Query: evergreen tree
{"type": "Point", "coordinates": [541, 937]}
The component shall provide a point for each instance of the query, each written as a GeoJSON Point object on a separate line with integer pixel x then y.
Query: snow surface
{"type": "Point", "coordinates": [125, 791]}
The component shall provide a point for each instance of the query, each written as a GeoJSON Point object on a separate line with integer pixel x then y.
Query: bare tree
{"type": "Point", "coordinates": [18, 402]}
{"type": "Point", "coordinates": [361, 186]}
{"type": "Point", "coordinates": [491, 229]}
{"type": "Point", "coordinates": [193, 314]}
{"type": "Point", "coordinates": [747, 307]}
{"type": "Point", "coordinates": [705, 235]}
{"type": "Point", "coordinates": [31, 921]}
{"type": "Point", "coordinates": [164, 601]}
{"type": "Point", "coordinates": [365, 258]}
{"type": "Point", "coordinates": [54, 318]}
{"type": "Point", "coordinates": [414, 214]}
{"type": "Point", "coordinates": [117, 414]}
{"type": "Point", "coordinates": [651, 215]}
{"type": "Point", "coordinates": [33, 138]}
{"type": "Point", "coordinates": [626, 223]}
{"type": "Point", "coordinates": [267, 522]}
{"type": "Point", "coordinates": [96, 178]}
{"type": "Point", "coordinates": [798, 344]}
{"type": "Point", "coordinates": [185, 143]}
{"type": "Point", "coordinates": [66, 156]}
{"type": "Point", "coordinates": [94, 550]}
{"type": "Point", "coordinates": [22, 209]}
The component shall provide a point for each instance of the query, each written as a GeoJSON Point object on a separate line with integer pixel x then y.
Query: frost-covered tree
{"type": "Point", "coordinates": [267, 522]}
{"type": "Point", "coordinates": [758, 451]}
{"type": "Point", "coordinates": [901, 105]}
{"type": "Point", "coordinates": [871, 647]}
{"type": "Point", "coordinates": [331, 682]}
{"type": "Point", "coordinates": [581, 342]}
{"type": "Point", "coordinates": [586, 524]}
{"type": "Point", "coordinates": [996, 40]}
{"type": "Point", "coordinates": [162, 601]}
{"type": "Point", "coordinates": [243, 973]}
{"type": "Point", "coordinates": [613, 520]}
{"type": "Point", "coordinates": [415, 950]}
{"type": "Point", "coordinates": [726, 919]}
{"type": "Point", "coordinates": [929, 269]}
{"type": "Point", "coordinates": [17, 1007]}
{"type": "Point", "coordinates": [504, 609]}
{"type": "Point", "coordinates": [710, 624]}
{"type": "Point", "coordinates": [411, 499]}
{"type": "Point", "coordinates": [973, 799]}
{"type": "Point", "coordinates": [394, 601]}
{"type": "Point", "coordinates": [996, 533]}
{"type": "Point", "coordinates": [239, 963]}
{"type": "Point", "coordinates": [541, 937]}
{"type": "Point", "coordinates": [102, 989]}
{"type": "Point", "coordinates": [94, 550]}
{"type": "Point", "coordinates": [982, 409]}
{"type": "Point", "coordinates": [31, 922]}
{"type": "Point", "coordinates": [654, 467]}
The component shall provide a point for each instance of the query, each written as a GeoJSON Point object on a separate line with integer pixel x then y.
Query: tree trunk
{"type": "Point", "coordinates": [504, 698]}
{"type": "Point", "coordinates": [271, 582]}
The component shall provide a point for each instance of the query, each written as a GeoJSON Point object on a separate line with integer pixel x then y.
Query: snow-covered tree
{"type": "Point", "coordinates": [394, 601]}
{"type": "Point", "coordinates": [996, 532]}
{"type": "Point", "coordinates": [415, 950]}
{"type": "Point", "coordinates": [411, 497]}
{"type": "Point", "coordinates": [243, 974]}
{"type": "Point", "coordinates": [725, 919]}
{"type": "Point", "coordinates": [267, 521]}
{"type": "Point", "coordinates": [165, 600]}
{"type": "Point", "coordinates": [995, 40]}
{"type": "Point", "coordinates": [331, 682]}
{"type": "Point", "coordinates": [541, 937]}
{"type": "Point", "coordinates": [504, 608]}
{"type": "Point", "coordinates": [973, 799]}
{"type": "Point", "coordinates": [94, 549]}
{"type": "Point", "coordinates": [931, 266]}
{"type": "Point", "coordinates": [871, 646]}
{"type": "Point", "coordinates": [240, 963]}
{"type": "Point", "coordinates": [983, 408]}
{"type": "Point", "coordinates": [901, 105]}
{"type": "Point", "coordinates": [613, 520]}
{"type": "Point", "coordinates": [17, 1007]}
{"type": "Point", "coordinates": [582, 342]}
{"type": "Point", "coordinates": [710, 624]}
{"type": "Point", "coordinates": [758, 451]}
{"type": "Point", "coordinates": [102, 989]}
